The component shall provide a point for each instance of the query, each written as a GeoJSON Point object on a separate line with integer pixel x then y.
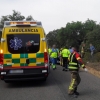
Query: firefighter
{"type": "Point", "coordinates": [54, 56]}
{"type": "Point", "coordinates": [65, 53]}
{"type": "Point", "coordinates": [74, 62]}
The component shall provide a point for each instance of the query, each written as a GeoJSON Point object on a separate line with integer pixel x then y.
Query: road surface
{"type": "Point", "coordinates": [55, 88]}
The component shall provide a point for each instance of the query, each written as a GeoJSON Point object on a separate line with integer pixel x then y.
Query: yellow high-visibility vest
{"type": "Point", "coordinates": [65, 53]}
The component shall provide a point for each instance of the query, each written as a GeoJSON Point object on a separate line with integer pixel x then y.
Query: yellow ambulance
{"type": "Point", "coordinates": [24, 51]}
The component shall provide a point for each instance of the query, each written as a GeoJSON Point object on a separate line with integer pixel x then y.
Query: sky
{"type": "Point", "coordinates": [53, 14]}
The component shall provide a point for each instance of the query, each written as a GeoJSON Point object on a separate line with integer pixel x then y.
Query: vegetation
{"type": "Point", "coordinates": [75, 33]}
{"type": "Point", "coordinates": [15, 16]}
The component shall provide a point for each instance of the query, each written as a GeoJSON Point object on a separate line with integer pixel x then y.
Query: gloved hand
{"type": "Point", "coordinates": [85, 69]}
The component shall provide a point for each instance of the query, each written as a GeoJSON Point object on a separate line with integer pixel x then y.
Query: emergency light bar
{"type": "Point", "coordinates": [16, 23]}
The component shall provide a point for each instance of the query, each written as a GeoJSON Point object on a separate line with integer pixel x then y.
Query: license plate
{"type": "Point", "coordinates": [16, 71]}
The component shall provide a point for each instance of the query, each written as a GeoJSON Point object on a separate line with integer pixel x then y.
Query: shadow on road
{"type": "Point", "coordinates": [35, 83]}
{"type": "Point", "coordinates": [56, 77]}
{"type": "Point", "coordinates": [26, 84]}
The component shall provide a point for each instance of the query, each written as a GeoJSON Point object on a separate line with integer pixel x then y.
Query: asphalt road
{"type": "Point", "coordinates": [55, 88]}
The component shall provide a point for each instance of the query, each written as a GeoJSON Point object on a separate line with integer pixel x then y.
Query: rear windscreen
{"type": "Point", "coordinates": [23, 43]}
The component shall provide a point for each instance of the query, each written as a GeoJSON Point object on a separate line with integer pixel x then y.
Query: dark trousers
{"type": "Point", "coordinates": [75, 80]}
{"type": "Point", "coordinates": [82, 54]}
{"type": "Point", "coordinates": [65, 62]}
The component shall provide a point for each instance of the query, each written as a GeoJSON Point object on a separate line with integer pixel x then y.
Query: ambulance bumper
{"type": "Point", "coordinates": [24, 74]}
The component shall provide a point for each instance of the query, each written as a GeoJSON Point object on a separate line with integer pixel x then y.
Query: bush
{"type": "Point", "coordinates": [97, 57]}
{"type": "Point", "coordinates": [87, 57]}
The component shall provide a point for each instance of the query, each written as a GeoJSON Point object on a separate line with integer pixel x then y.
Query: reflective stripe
{"type": "Point", "coordinates": [71, 67]}
{"type": "Point", "coordinates": [72, 57]}
{"type": "Point", "coordinates": [82, 65]}
{"type": "Point", "coordinates": [78, 58]}
{"type": "Point", "coordinates": [72, 63]}
{"type": "Point", "coordinates": [71, 86]}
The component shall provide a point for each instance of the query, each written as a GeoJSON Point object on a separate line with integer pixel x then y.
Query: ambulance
{"type": "Point", "coordinates": [23, 52]}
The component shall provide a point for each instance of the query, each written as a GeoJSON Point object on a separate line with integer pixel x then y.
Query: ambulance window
{"type": "Point", "coordinates": [23, 43]}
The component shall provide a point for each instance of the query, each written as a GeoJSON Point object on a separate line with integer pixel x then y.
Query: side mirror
{"type": "Point", "coordinates": [43, 39]}
{"type": "Point", "coordinates": [2, 40]}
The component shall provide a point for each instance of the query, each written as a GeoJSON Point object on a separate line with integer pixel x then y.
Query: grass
{"type": "Point", "coordinates": [93, 63]}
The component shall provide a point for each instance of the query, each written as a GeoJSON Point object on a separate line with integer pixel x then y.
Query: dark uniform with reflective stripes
{"type": "Point", "coordinates": [74, 61]}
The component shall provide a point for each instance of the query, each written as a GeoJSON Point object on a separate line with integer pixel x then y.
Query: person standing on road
{"type": "Point", "coordinates": [49, 50]}
{"type": "Point", "coordinates": [74, 62]}
{"type": "Point", "coordinates": [54, 56]}
{"type": "Point", "coordinates": [65, 53]}
{"type": "Point", "coordinates": [82, 51]}
{"type": "Point", "coordinates": [92, 49]}
{"type": "Point", "coordinates": [61, 61]}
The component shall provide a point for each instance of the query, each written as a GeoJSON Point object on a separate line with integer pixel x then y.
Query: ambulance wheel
{"type": "Point", "coordinates": [7, 82]}
{"type": "Point", "coordinates": [44, 79]}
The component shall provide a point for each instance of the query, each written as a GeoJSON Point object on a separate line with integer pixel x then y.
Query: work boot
{"type": "Point", "coordinates": [66, 69]}
{"type": "Point", "coordinates": [73, 95]}
{"type": "Point", "coordinates": [77, 93]}
{"type": "Point", "coordinates": [54, 67]}
{"type": "Point", "coordinates": [63, 69]}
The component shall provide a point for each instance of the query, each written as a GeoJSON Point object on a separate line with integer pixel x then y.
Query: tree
{"type": "Point", "coordinates": [4, 18]}
{"type": "Point", "coordinates": [15, 16]}
{"type": "Point", "coordinates": [73, 34]}
{"type": "Point", "coordinates": [62, 37]}
{"type": "Point", "coordinates": [29, 18]}
{"type": "Point", "coordinates": [94, 38]}
{"type": "Point", "coordinates": [89, 25]}
{"type": "Point", "coordinates": [52, 38]}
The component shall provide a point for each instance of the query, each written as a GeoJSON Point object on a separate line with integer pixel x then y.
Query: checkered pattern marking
{"type": "Point", "coordinates": [18, 60]}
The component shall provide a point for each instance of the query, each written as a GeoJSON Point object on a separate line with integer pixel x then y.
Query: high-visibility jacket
{"type": "Point", "coordinates": [74, 61]}
{"type": "Point", "coordinates": [65, 53]}
{"type": "Point", "coordinates": [54, 53]}
{"type": "Point", "coordinates": [49, 50]}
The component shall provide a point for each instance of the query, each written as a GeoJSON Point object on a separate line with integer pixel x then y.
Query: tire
{"type": "Point", "coordinates": [7, 82]}
{"type": "Point", "coordinates": [44, 79]}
